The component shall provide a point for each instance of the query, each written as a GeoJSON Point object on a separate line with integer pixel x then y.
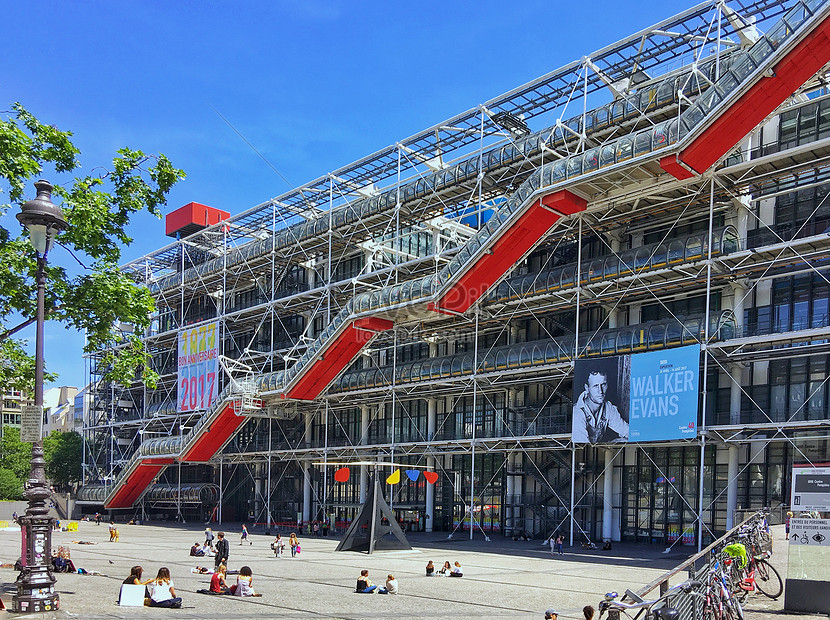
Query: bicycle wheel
{"type": "Point", "coordinates": [767, 579]}
{"type": "Point", "coordinates": [732, 610]}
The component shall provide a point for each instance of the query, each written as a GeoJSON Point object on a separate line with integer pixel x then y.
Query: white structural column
{"type": "Point", "coordinates": [432, 407]}
{"type": "Point", "coordinates": [732, 487]}
{"type": "Point", "coordinates": [736, 372]}
{"type": "Point", "coordinates": [307, 472]}
{"type": "Point", "coordinates": [364, 439]}
{"type": "Point", "coordinates": [607, 494]}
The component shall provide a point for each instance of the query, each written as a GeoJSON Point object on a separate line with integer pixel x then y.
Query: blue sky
{"type": "Point", "coordinates": [313, 85]}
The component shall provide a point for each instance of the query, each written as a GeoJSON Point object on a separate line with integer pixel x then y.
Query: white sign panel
{"type": "Point", "coordinates": [198, 367]}
{"type": "Point", "coordinates": [811, 489]}
{"type": "Point", "coordinates": [31, 423]}
{"type": "Point", "coordinates": [810, 532]}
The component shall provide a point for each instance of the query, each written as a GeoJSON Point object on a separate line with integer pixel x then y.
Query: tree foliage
{"type": "Point", "coordinates": [63, 453]}
{"type": "Point", "coordinates": [15, 455]}
{"type": "Point", "coordinates": [98, 208]}
{"type": "Point", "coordinates": [11, 487]}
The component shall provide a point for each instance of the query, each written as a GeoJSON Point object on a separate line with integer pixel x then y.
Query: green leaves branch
{"type": "Point", "coordinates": [98, 209]}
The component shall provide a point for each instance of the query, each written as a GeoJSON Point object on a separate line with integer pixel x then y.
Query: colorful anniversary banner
{"type": "Point", "coordinates": [641, 397]}
{"type": "Point", "coordinates": [198, 367]}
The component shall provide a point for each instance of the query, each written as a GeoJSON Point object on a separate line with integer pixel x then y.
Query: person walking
{"type": "Point", "coordinates": [294, 544]}
{"type": "Point", "coordinates": [222, 550]}
{"type": "Point", "coordinates": [209, 537]}
{"type": "Point", "coordinates": [244, 535]}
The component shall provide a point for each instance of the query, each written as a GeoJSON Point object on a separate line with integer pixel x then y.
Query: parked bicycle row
{"type": "Point", "coordinates": [736, 566]}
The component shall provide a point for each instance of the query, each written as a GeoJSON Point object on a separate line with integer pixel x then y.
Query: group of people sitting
{"type": "Point", "coordinates": [447, 570]}
{"type": "Point", "coordinates": [159, 592]}
{"type": "Point", "coordinates": [204, 550]}
{"type": "Point", "coordinates": [244, 585]}
{"type": "Point", "coordinates": [365, 585]}
{"type": "Point", "coordinates": [61, 562]}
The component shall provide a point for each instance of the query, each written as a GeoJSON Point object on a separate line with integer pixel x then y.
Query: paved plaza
{"type": "Point", "coordinates": [502, 578]}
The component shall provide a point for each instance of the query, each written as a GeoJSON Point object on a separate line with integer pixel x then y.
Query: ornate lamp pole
{"type": "Point", "coordinates": [36, 583]}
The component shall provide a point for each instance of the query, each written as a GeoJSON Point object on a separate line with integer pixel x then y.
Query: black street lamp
{"type": "Point", "coordinates": [36, 583]}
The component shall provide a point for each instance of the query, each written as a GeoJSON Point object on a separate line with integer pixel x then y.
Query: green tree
{"type": "Point", "coordinates": [11, 487]}
{"type": "Point", "coordinates": [98, 208]}
{"type": "Point", "coordinates": [15, 455]}
{"type": "Point", "coordinates": [63, 453]}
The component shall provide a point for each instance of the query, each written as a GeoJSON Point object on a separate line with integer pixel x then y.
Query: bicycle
{"type": "Point", "coordinates": [756, 575]}
{"type": "Point", "coordinates": [644, 608]}
{"type": "Point", "coordinates": [720, 603]}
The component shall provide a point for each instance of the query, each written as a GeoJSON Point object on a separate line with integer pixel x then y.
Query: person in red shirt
{"type": "Point", "coordinates": [217, 581]}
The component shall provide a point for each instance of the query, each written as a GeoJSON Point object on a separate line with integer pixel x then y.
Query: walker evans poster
{"type": "Point", "coordinates": [811, 489]}
{"type": "Point", "coordinates": [198, 367]}
{"type": "Point", "coordinates": [641, 397]}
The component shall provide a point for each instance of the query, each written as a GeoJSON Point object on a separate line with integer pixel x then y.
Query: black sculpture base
{"type": "Point", "coordinates": [368, 532]}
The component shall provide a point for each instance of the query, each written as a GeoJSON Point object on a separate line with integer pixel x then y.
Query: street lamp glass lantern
{"type": "Point", "coordinates": [42, 218]}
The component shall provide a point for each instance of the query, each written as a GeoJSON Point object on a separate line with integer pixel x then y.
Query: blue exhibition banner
{"type": "Point", "coordinates": [663, 394]}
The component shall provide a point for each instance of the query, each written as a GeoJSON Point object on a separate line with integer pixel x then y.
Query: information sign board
{"type": "Point", "coordinates": [813, 532]}
{"type": "Point", "coordinates": [811, 489]}
{"type": "Point", "coordinates": [198, 367]}
{"type": "Point", "coordinates": [31, 423]}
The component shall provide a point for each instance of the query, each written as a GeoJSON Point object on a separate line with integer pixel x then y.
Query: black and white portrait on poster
{"type": "Point", "coordinates": [601, 400]}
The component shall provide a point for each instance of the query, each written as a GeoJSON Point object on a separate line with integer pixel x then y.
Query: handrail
{"type": "Point", "coordinates": [663, 580]}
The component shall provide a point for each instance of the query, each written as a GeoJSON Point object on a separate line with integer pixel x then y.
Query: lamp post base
{"type": "Point", "coordinates": [36, 583]}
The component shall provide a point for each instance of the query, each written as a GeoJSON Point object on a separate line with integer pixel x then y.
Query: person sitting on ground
{"type": "Point", "coordinates": [207, 551]}
{"type": "Point", "coordinates": [162, 592]}
{"type": "Point", "coordinates": [217, 581]}
{"type": "Point", "coordinates": [196, 549]}
{"type": "Point", "coordinates": [430, 569]}
{"type": "Point", "coordinates": [445, 570]}
{"type": "Point", "coordinates": [551, 614]}
{"type": "Point", "coordinates": [244, 583]}
{"type": "Point", "coordinates": [391, 585]}
{"type": "Point", "coordinates": [456, 570]}
{"type": "Point", "coordinates": [135, 580]}
{"type": "Point", "coordinates": [364, 584]}
{"type": "Point", "coordinates": [588, 545]}
{"type": "Point", "coordinates": [606, 546]}
{"type": "Point", "coordinates": [278, 546]}
{"type": "Point", "coordinates": [588, 612]}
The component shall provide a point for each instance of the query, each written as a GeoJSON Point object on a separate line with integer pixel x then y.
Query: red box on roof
{"type": "Point", "coordinates": [192, 218]}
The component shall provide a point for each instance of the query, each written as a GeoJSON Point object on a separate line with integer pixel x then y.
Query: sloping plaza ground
{"type": "Point", "coordinates": [502, 578]}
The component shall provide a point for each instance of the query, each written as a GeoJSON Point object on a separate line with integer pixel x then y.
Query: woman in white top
{"type": "Point", "coordinates": [162, 592]}
{"type": "Point", "coordinates": [391, 584]}
{"type": "Point", "coordinates": [244, 583]}
{"type": "Point", "coordinates": [456, 570]}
